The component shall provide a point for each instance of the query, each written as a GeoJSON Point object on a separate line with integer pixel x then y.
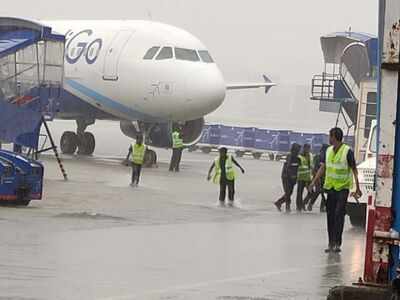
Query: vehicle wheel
{"type": "Point", "coordinates": [257, 155]}
{"type": "Point", "coordinates": [87, 144]}
{"type": "Point", "coordinates": [69, 142]}
{"type": "Point", "coordinates": [22, 196]}
{"type": "Point", "coordinates": [206, 150]}
{"type": "Point", "coordinates": [271, 156]}
{"type": "Point", "coordinates": [23, 202]}
{"type": "Point", "coordinates": [239, 153]}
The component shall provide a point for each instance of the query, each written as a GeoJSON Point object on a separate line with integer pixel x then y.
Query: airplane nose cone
{"type": "Point", "coordinates": [205, 92]}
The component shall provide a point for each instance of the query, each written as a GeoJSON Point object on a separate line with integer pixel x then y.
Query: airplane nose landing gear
{"type": "Point", "coordinates": [82, 141]}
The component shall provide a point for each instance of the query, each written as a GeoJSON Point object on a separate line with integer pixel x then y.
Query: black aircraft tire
{"type": "Point", "coordinates": [69, 142]}
{"type": "Point", "coordinates": [87, 144]}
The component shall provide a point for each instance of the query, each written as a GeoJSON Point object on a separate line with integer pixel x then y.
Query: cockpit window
{"type": "Point", "coordinates": [165, 53]}
{"type": "Point", "coordinates": [186, 54]}
{"type": "Point", "coordinates": [205, 56]}
{"type": "Point", "coordinates": [151, 53]}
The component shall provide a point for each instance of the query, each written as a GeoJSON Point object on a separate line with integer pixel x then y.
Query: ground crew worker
{"type": "Point", "coordinates": [224, 175]}
{"type": "Point", "coordinates": [319, 185]}
{"type": "Point", "coordinates": [136, 157]}
{"type": "Point", "coordinates": [304, 175]}
{"type": "Point", "coordinates": [339, 167]}
{"type": "Point", "coordinates": [289, 177]}
{"type": "Point", "coordinates": [177, 148]}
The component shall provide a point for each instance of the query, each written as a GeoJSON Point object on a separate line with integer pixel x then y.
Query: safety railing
{"type": "Point", "coordinates": [323, 87]}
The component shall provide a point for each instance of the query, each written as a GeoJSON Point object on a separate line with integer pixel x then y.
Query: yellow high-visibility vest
{"type": "Point", "coordinates": [338, 174]}
{"type": "Point", "coordinates": [229, 171]}
{"type": "Point", "coordinates": [138, 152]}
{"type": "Point", "coordinates": [304, 169]}
{"type": "Point", "coordinates": [177, 142]}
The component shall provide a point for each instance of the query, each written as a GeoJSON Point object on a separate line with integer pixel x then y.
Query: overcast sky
{"type": "Point", "coordinates": [247, 38]}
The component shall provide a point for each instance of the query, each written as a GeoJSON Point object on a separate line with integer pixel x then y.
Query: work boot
{"type": "Point", "coordinates": [231, 204]}
{"type": "Point", "coordinates": [288, 210]}
{"type": "Point", "coordinates": [329, 249]}
{"type": "Point", "coordinates": [309, 207]}
{"type": "Point", "coordinates": [278, 206]}
{"type": "Point", "coordinates": [221, 203]}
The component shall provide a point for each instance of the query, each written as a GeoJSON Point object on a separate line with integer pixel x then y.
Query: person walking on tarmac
{"type": "Point", "coordinates": [289, 177]}
{"type": "Point", "coordinates": [136, 157]}
{"type": "Point", "coordinates": [339, 167]}
{"type": "Point", "coordinates": [177, 148]}
{"type": "Point", "coordinates": [319, 185]}
{"type": "Point", "coordinates": [224, 175]}
{"type": "Point", "coordinates": [304, 175]}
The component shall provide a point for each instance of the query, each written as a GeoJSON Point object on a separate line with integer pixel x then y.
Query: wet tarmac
{"type": "Point", "coordinates": [95, 237]}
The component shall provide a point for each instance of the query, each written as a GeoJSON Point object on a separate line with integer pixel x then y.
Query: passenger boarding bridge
{"type": "Point", "coordinates": [347, 85]}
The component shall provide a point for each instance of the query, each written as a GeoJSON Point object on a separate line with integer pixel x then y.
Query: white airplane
{"type": "Point", "coordinates": [147, 75]}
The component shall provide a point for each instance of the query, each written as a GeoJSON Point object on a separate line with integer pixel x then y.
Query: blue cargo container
{"type": "Point", "coordinates": [249, 138]}
{"type": "Point", "coordinates": [228, 136]}
{"type": "Point", "coordinates": [283, 141]}
{"type": "Point", "coordinates": [263, 139]}
{"type": "Point", "coordinates": [256, 141]}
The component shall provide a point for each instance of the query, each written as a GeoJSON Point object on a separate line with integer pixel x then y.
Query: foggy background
{"type": "Point", "coordinates": [247, 39]}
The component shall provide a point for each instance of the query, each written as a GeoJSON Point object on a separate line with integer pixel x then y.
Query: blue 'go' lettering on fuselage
{"type": "Point", "coordinates": [79, 44]}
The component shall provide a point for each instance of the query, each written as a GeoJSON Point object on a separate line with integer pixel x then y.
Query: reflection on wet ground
{"type": "Point", "coordinates": [95, 237]}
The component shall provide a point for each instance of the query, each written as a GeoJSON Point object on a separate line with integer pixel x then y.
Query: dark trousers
{"type": "Point", "coordinates": [223, 184]}
{"type": "Point", "coordinates": [136, 170]}
{"type": "Point", "coordinates": [288, 187]}
{"type": "Point", "coordinates": [336, 211]}
{"type": "Point", "coordinates": [312, 197]}
{"type": "Point", "coordinates": [301, 185]}
{"type": "Point", "coordinates": [175, 159]}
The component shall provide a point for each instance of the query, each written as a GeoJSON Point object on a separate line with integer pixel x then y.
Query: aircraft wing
{"type": "Point", "coordinates": [267, 84]}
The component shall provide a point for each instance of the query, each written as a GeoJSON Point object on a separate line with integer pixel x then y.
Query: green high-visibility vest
{"type": "Point", "coordinates": [177, 142]}
{"type": "Point", "coordinates": [338, 174]}
{"type": "Point", "coordinates": [229, 171]}
{"type": "Point", "coordinates": [304, 169]}
{"type": "Point", "coordinates": [138, 152]}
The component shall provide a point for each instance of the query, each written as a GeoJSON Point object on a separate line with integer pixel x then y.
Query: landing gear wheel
{"type": "Point", "coordinates": [150, 158]}
{"type": "Point", "coordinates": [69, 142]}
{"type": "Point", "coordinates": [87, 144]}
